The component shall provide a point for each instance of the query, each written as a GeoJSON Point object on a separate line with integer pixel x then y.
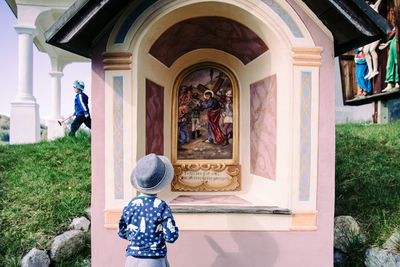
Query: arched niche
{"type": "Point", "coordinates": [283, 70]}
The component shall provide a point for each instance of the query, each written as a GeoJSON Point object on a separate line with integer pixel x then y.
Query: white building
{"type": "Point", "coordinates": [33, 18]}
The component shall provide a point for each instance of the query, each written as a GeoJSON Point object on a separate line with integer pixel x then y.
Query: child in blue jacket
{"type": "Point", "coordinates": [147, 221]}
{"type": "Point", "coordinates": [82, 114]}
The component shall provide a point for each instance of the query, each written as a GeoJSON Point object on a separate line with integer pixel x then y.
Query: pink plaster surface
{"type": "Point", "coordinates": [225, 248]}
{"type": "Point", "coordinates": [263, 127]}
{"type": "Point", "coordinates": [209, 199]}
{"type": "Point", "coordinates": [154, 118]}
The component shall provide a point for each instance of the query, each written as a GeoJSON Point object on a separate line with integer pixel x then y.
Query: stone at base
{"type": "Point", "coordinates": [393, 243]}
{"type": "Point", "coordinates": [337, 257]}
{"type": "Point", "coordinates": [377, 257]}
{"type": "Point", "coordinates": [346, 230]}
{"type": "Point", "coordinates": [80, 224]}
{"type": "Point", "coordinates": [35, 258]}
{"type": "Point", "coordinates": [67, 244]}
{"type": "Point", "coordinates": [88, 213]}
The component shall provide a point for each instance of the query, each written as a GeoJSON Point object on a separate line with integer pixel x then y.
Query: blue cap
{"type": "Point", "coordinates": [79, 85]}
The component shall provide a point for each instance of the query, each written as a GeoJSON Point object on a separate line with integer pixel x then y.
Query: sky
{"type": "Point", "coordinates": [41, 70]}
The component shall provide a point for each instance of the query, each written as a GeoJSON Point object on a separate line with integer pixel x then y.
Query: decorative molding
{"type": "Point", "coordinates": [118, 137]}
{"type": "Point", "coordinates": [304, 221]}
{"type": "Point", "coordinates": [24, 29]}
{"type": "Point", "coordinates": [56, 74]}
{"type": "Point", "coordinates": [117, 60]}
{"type": "Point", "coordinates": [286, 18]}
{"type": "Point", "coordinates": [112, 218]}
{"type": "Point", "coordinates": [307, 56]}
{"type": "Point", "coordinates": [305, 136]}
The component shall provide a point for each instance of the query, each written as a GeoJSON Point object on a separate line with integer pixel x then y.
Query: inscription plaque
{"type": "Point", "coordinates": [206, 177]}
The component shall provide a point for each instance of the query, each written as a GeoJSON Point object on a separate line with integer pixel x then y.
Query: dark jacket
{"type": "Point", "coordinates": [81, 104]}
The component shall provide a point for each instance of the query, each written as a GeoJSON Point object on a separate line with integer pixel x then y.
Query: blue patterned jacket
{"type": "Point", "coordinates": [147, 222]}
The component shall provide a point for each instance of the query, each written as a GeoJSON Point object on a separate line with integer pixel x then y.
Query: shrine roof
{"type": "Point", "coordinates": [352, 23]}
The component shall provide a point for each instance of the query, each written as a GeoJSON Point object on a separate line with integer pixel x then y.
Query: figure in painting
{"type": "Point", "coordinates": [195, 115]}
{"type": "Point", "coordinates": [371, 56]}
{"type": "Point", "coordinates": [227, 115]}
{"type": "Point", "coordinates": [392, 73]}
{"type": "Point", "coordinates": [183, 120]}
{"type": "Point", "coordinates": [364, 85]}
{"type": "Point", "coordinates": [186, 95]}
{"type": "Point", "coordinates": [215, 135]}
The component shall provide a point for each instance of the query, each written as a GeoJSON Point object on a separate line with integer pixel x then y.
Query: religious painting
{"type": "Point", "coordinates": [205, 132]}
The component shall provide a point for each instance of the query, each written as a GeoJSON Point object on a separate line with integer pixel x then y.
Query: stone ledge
{"type": "Point", "coordinates": [229, 209]}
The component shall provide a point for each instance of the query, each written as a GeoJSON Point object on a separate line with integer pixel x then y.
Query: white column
{"type": "Point", "coordinates": [54, 129]}
{"type": "Point", "coordinates": [25, 121]}
{"type": "Point", "coordinates": [56, 94]}
{"type": "Point", "coordinates": [25, 64]}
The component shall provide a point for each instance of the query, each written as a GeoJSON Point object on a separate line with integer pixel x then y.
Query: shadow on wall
{"type": "Point", "coordinates": [254, 249]}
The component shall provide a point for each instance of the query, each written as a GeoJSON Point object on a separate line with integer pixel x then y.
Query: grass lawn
{"type": "Point", "coordinates": [42, 188]}
{"type": "Point", "coordinates": [368, 179]}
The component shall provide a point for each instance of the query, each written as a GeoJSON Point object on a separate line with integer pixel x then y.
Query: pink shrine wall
{"type": "Point", "coordinates": [229, 248]}
{"type": "Point", "coordinates": [154, 118]}
{"type": "Point", "coordinates": [263, 127]}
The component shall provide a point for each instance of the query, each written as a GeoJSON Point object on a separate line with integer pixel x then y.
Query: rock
{"type": "Point", "coordinates": [393, 243]}
{"type": "Point", "coordinates": [377, 257]}
{"type": "Point", "coordinates": [88, 212]}
{"type": "Point", "coordinates": [347, 231]}
{"type": "Point", "coordinates": [67, 244]}
{"type": "Point", "coordinates": [80, 224]}
{"type": "Point", "coordinates": [337, 257]}
{"type": "Point", "coordinates": [35, 258]}
{"type": "Point", "coordinates": [87, 263]}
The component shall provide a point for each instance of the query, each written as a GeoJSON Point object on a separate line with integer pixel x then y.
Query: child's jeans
{"type": "Point", "coordinates": [143, 262]}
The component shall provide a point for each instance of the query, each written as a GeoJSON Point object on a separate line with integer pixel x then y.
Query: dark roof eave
{"type": "Point", "coordinates": [352, 23]}
{"type": "Point", "coordinates": [66, 18]}
{"type": "Point", "coordinates": [82, 24]}
{"type": "Point", "coordinates": [75, 30]}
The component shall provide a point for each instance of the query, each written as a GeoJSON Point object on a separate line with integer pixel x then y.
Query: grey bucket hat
{"type": "Point", "coordinates": [152, 174]}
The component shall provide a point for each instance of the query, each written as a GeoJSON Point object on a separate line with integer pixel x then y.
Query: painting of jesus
{"type": "Point", "coordinates": [205, 115]}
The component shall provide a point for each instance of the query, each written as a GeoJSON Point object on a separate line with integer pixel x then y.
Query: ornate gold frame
{"type": "Point", "coordinates": [228, 167]}
{"type": "Point", "coordinates": [174, 130]}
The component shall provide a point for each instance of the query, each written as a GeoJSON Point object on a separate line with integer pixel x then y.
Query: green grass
{"type": "Point", "coordinates": [368, 179]}
{"type": "Point", "coordinates": [42, 188]}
